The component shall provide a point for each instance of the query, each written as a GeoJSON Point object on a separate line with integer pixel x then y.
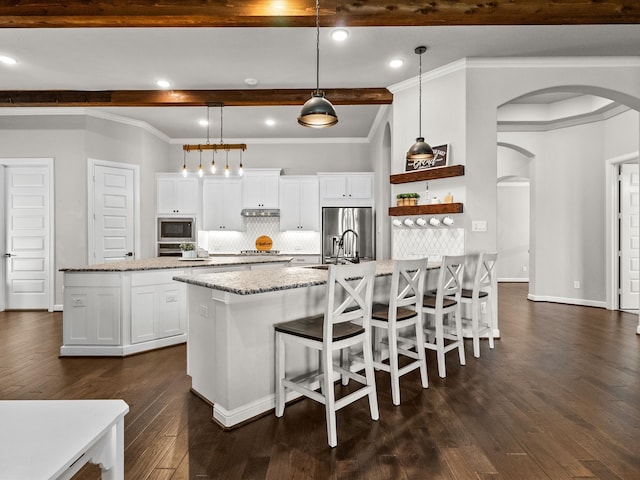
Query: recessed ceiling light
{"type": "Point", "coordinates": [396, 63]}
{"type": "Point", "coordinates": [163, 83]}
{"type": "Point", "coordinates": [340, 34]}
{"type": "Point", "coordinates": [203, 122]}
{"type": "Point", "coordinates": [270, 122]}
{"type": "Point", "coordinates": [252, 82]}
{"type": "Point", "coordinates": [7, 60]}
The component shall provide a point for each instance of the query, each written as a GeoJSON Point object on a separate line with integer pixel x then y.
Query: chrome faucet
{"type": "Point", "coordinates": [341, 247]}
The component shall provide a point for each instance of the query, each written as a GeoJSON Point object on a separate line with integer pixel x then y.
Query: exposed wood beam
{"type": "Point", "coordinates": [300, 13]}
{"type": "Point", "coordinates": [189, 98]}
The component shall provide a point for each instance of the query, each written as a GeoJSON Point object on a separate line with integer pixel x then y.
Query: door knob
{"type": "Point", "coordinates": [7, 255]}
{"type": "Point", "coordinates": [129, 254]}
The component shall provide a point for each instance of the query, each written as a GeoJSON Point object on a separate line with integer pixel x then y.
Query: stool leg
{"type": "Point", "coordinates": [490, 321]}
{"type": "Point", "coordinates": [422, 356]}
{"type": "Point", "coordinates": [329, 397]}
{"type": "Point", "coordinates": [393, 365]}
{"type": "Point", "coordinates": [370, 375]}
{"type": "Point", "coordinates": [458, 321]}
{"type": "Point", "coordinates": [280, 374]}
{"type": "Point", "coordinates": [475, 326]}
{"type": "Point", "coordinates": [439, 338]}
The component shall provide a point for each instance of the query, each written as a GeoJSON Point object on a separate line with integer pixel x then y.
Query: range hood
{"type": "Point", "coordinates": [260, 212]}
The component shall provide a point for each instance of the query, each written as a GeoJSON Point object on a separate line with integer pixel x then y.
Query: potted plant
{"type": "Point", "coordinates": [407, 199]}
{"type": "Point", "coordinates": [188, 250]}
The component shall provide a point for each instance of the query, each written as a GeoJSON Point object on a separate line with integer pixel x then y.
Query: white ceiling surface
{"type": "Point", "coordinates": [222, 58]}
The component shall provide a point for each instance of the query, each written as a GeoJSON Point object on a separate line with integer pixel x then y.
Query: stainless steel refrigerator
{"type": "Point", "coordinates": [347, 234]}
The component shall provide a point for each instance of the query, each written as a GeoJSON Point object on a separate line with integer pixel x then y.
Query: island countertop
{"type": "Point", "coordinates": [262, 281]}
{"type": "Point", "coordinates": [162, 263]}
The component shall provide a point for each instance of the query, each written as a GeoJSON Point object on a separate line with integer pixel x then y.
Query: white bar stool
{"type": "Point", "coordinates": [444, 337]}
{"type": "Point", "coordinates": [346, 322]}
{"type": "Point", "coordinates": [403, 310]}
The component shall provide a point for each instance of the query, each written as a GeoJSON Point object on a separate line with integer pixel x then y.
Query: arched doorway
{"type": "Point", "coordinates": [570, 132]}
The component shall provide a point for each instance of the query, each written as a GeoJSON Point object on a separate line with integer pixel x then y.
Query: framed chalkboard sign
{"type": "Point", "coordinates": [440, 159]}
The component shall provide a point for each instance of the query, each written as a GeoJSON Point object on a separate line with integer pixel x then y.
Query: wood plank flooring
{"type": "Point", "coordinates": [558, 398]}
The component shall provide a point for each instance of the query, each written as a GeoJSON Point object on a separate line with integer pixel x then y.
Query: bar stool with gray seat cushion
{"type": "Point", "coordinates": [404, 310]}
{"type": "Point", "coordinates": [481, 323]}
{"type": "Point", "coordinates": [444, 336]}
{"type": "Point", "coordinates": [346, 322]}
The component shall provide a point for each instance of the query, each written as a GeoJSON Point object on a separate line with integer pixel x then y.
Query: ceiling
{"type": "Point", "coordinates": [221, 59]}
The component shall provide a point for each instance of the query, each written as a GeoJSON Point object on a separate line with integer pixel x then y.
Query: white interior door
{"type": "Point", "coordinates": [27, 232]}
{"type": "Point", "coordinates": [3, 280]}
{"type": "Point", "coordinates": [629, 236]}
{"type": "Point", "coordinates": [113, 216]}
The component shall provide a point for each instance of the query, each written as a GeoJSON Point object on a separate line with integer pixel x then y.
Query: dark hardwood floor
{"type": "Point", "coordinates": [558, 398]}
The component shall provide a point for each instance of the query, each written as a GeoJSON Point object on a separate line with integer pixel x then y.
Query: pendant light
{"type": "Point", "coordinates": [420, 150]}
{"type": "Point", "coordinates": [226, 168]}
{"type": "Point", "coordinates": [200, 170]}
{"type": "Point", "coordinates": [317, 112]}
{"type": "Point", "coordinates": [213, 151]}
{"type": "Point", "coordinates": [185, 172]}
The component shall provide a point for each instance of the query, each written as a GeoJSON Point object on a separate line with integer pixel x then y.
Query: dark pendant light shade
{"type": "Point", "coordinates": [317, 112]}
{"type": "Point", "coordinates": [420, 150]}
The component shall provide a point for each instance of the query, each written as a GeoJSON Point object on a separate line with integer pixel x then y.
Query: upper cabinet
{"type": "Point", "coordinates": [221, 204]}
{"type": "Point", "coordinates": [346, 189]}
{"type": "Point", "coordinates": [260, 188]}
{"type": "Point", "coordinates": [299, 203]}
{"type": "Point", "coordinates": [176, 195]}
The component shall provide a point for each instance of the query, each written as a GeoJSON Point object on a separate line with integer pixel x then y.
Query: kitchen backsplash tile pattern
{"type": "Point", "coordinates": [286, 242]}
{"type": "Point", "coordinates": [413, 242]}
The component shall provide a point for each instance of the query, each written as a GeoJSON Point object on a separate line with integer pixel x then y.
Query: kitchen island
{"type": "Point", "coordinates": [230, 351]}
{"type": "Point", "coordinates": [118, 309]}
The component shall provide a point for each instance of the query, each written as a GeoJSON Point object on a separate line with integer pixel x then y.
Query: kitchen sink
{"type": "Point", "coordinates": [319, 267]}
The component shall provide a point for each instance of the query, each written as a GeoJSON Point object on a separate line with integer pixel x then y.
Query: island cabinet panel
{"type": "Point", "coordinates": [176, 195]}
{"type": "Point", "coordinates": [222, 204]}
{"type": "Point", "coordinates": [299, 203]}
{"type": "Point", "coordinates": [346, 189]}
{"type": "Point", "coordinates": [157, 307]}
{"type": "Point", "coordinates": [92, 312]}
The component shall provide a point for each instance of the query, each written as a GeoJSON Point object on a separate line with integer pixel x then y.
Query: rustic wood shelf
{"type": "Point", "coordinates": [435, 209]}
{"type": "Point", "coordinates": [428, 174]}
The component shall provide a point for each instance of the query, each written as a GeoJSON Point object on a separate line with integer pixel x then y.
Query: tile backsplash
{"type": "Point", "coordinates": [414, 242]}
{"type": "Point", "coordinates": [291, 242]}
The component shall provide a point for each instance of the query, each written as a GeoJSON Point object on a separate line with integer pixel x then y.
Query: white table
{"type": "Point", "coordinates": [53, 439]}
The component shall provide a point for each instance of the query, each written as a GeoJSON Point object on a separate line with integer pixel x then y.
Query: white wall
{"type": "Point", "coordinates": [71, 140]}
{"type": "Point", "coordinates": [513, 232]}
{"type": "Point", "coordinates": [561, 181]}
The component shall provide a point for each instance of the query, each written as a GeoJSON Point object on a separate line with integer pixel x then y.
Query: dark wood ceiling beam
{"type": "Point", "coordinates": [300, 13]}
{"type": "Point", "coordinates": [189, 98]}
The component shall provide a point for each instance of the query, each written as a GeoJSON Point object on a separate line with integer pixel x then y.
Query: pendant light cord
{"type": "Point", "coordinates": [420, 100]}
{"type": "Point", "coordinates": [317, 46]}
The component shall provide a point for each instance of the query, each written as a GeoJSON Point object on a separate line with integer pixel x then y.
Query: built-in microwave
{"type": "Point", "coordinates": [177, 229]}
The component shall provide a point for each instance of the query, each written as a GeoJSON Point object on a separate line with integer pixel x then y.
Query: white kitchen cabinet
{"type": "Point", "coordinates": [346, 189]}
{"type": "Point", "coordinates": [222, 204]}
{"type": "Point", "coordinates": [157, 306]}
{"type": "Point", "coordinates": [92, 311]}
{"type": "Point", "coordinates": [299, 203]}
{"type": "Point", "coordinates": [176, 195]}
{"type": "Point", "coordinates": [260, 188]}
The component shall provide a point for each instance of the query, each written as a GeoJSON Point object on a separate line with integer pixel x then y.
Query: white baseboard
{"type": "Point", "coordinates": [569, 301]}
{"type": "Point", "coordinates": [513, 280]}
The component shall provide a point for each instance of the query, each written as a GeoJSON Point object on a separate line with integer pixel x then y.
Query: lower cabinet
{"type": "Point", "coordinates": [121, 313]}
{"type": "Point", "coordinates": [157, 306]}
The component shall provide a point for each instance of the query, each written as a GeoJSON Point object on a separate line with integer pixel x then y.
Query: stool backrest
{"type": "Point", "coordinates": [349, 296]}
{"type": "Point", "coordinates": [485, 272]}
{"type": "Point", "coordinates": [407, 284]}
{"type": "Point", "coordinates": [450, 277]}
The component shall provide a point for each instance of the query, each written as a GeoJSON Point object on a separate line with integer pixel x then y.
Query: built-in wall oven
{"type": "Point", "coordinates": [172, 231]}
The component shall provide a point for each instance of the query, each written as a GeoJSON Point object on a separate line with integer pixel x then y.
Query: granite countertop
{"type": "Point", "coordinates": [161, 263]}
{"type": "Point", "coordinates": [261, 281]}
